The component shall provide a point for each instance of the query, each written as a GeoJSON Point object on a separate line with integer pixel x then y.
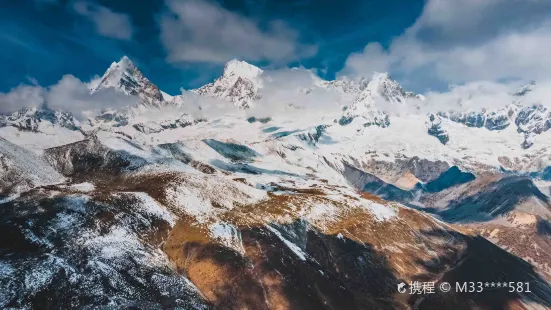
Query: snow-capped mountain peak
{"type": "Point", "coordinates": [241, 69]}
{"type": "Point", "coordinates": [239, 84]}
{"type": "Point", "coordinates": [124, 76]}
{"type": "Point", "coordinates": [384, 86]}
{"type": "Point", "coordinates": [114, 74]}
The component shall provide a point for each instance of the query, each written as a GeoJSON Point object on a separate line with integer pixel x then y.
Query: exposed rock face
{"type": "Point", "coordinates": [497, 199]}
{"type": "Point", "coordinates": [382, 121]}
{"type": "Point", "coordinates": [314, 134]}
{"type": "Point", "coordinates": [495, 120]}
{"type": "Point", "coordinates": [111, 118]}
{"type": "Point", "coordinates": [366, 182]}
{"type": "Point", "coordinates": [532, 120]}
{"type": "Point", "coordinates": [422, 169]}
{"type": "Point", "coordinates": [369, 116]}
{"type": "Point", "coordinates": [371, 184]}
{"type": "Point", "coordinates": [502, 209]}
{"type": "Point", "coordinates": [425, 170]}
{"type": "Point", "coordinates": [124, 76]}
{"type": "Point", "coordinates": [470, 119]}
{"type": "Point", "coordinates": [435, 129]}
{"type": "Point", "coordinates": [263, 120]}
{"type": "Point", "coordinates": [386, 87]}
{"type": "Point", "coordinates": [89, 159]}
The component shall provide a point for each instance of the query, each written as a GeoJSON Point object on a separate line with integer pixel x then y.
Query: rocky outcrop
{"type": "Point", "coordinates": [313, 135]}
{"type": "Point", "coordinates": [124, 76]}
{"type": "Point", "coordinates": [90, 159]}
{"type": "Point", "coordinates": [533, 120]}
{"type": "Point", "coordinates": [435, 129]}
{"type": "Point", "coordinates": [494, 120]}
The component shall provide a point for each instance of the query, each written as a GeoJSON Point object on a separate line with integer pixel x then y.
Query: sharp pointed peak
{"type": "Point", "coordinates": [123, 63]}
{"type": "Point", "coordinates": [236, 62]}
{"type": "Point", "coordinates": [241, 68]}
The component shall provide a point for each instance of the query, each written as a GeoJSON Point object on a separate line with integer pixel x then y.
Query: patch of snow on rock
{"type": "Point", "coordinates": [150, 206]}
{"type": "Point", "coordinates": [83, 187]}
{"type": "Point", "coordinates": [293, 247]}
{"type": "Point", "coordinates": [200, 196]}
{"type": "Point", "coordinates": [381, 212]}
{"type": "Point", "coordinates": [227, 235]}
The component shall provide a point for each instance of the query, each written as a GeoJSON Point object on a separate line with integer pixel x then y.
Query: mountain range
{"type": "Point", "coordinates": [242, 84]}
{"type": "Point", "coordinates": [257, 191]}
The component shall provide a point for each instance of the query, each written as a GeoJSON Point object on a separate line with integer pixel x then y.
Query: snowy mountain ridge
{"type": "Point", "coordinates": [367, 99]}
{"type": "Point", "coordinates": [35, 118]}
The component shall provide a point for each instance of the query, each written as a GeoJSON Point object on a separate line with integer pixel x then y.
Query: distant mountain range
{"type": "Point", "coordinates": [242, 85]}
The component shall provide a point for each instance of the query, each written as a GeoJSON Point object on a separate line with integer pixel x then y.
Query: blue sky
{"type": "Point", "coordinates": [46, 39]}
{"type": "Point", "coordinates": [423, 44]}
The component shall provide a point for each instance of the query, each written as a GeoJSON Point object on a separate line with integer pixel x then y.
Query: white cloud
{"type": "Point", "coordinates": [372, 59]}
{"type": "Point", "coordinates": [21, 96]}
{"type": "Point", "coordinates": [473, 96]}
{"type": "Point", "coordinates": [464, 41]}
{"type": "Point", "coordinates": [107, 22]}
{"type": "Point", "coordinates": [197, 30]}
{"type": "Point", "coordinates": [70, 94]}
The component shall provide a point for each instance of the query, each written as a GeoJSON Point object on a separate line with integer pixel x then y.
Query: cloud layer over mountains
{"type": "Point", "coordinates": [466, 41]}
{"type": "Point", "coordinates": [70, 94]}
{"type": "Point", "coordinates": [283, 92]}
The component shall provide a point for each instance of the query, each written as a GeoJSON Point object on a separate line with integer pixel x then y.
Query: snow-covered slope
{"type": "Point", "coordinates": [21, 170]}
